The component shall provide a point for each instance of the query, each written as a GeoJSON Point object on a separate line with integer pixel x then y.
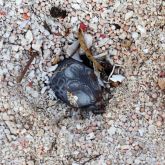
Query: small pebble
{"type": "Point", "coordinates": [128, 15]}
{"type": "Point", "coordinates": [135, 35]}
{"type": "Point", "coordinates": [159, 123]}
{"type": "Point", "coordinates": [29, 36]}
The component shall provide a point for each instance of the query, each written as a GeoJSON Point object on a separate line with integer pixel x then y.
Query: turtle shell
{"type": "Point", "coordinates": [76, 85]}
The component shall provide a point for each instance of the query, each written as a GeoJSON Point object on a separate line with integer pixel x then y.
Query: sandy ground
{"type": "Point", "coordinates": [36, 129]}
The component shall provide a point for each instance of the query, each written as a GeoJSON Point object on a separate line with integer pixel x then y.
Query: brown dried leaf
{"type": "Point", "coordinates": [57, 12]}
{"type": "Point", "coordinates": [87, 51]}
{"type": "Point", "coordinates": [114, 84]}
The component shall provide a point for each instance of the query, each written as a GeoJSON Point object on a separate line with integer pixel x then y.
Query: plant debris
{"type": "Point", "coordinates": [46, 26]}
{"type": "Point", "coordinates": [56, 12]}
{"type": "Point", "coordinates": [87, 51]}
{"type": "Point", "coordinates": [32, 56]}
{"type": "Point", "coordinates": [83, 27]}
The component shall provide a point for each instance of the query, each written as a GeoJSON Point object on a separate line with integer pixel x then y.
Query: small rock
{"type": "Point", "coordinates": [103, 42]}
{"type": "Point", "coordinates": [123, 36]}
{"type": "Point", "coordinates": [76, 6]}
{"type": "Point", "coordinates": [128, 15]}
{"type": "Point", "coordinates": [141, 131]}
{"type": "Point", "coordinates": [1, 44]}
{"type": "Point", "coordinates": [145, 51]}
{"type": "Point", "coordinates": [6, 105]}
{"type": "Point", "coordinates": [31, 74]}
{"type": "Point", "coordinates": [137, 161]}
{"type": "Point", "coordinates": [141, 29]}
{"type": "Point", "coordinates": [37, 46]}
{"type": "Point", "coordinates": [5, 117]}
{"type": "Point", "coordinates": [75, 164]}
{"type": "Point", "coordinates": [113, 52]}
{"type": "Point", "coordinates": [29, 36]}
{"type": "Point", "coordinates": [1, 2]}
{"type": "Point", "coordinates": [111, 131]}
{"type": "Point", "coordinates": [52, 68]}
{"type": "Point", "coordinates": [77, 1]}
{"type": "Point", "coordinates": [161, 83]}
{"type": "Point", "coordinates": [159, 123]}
{"type": "Point", "coordinates": [74, 20]}
{"type": "Point", "coordinates": [12, 39]}
{"type": "Point", "coordinates": [43, 90]}
{"type": "Point", "coordinates": [23, 41]}
{"type": "Point", "coordinates": [125, 147]}
{"type": "Point", "coordinates": [34, 94]}
{"type": "Point", "coordinates": [151, 129]}
{"type": "Point", "coordinates": [30, 162]}
{"type": "Point", "coordinates": [12, 127]}
{"type": "Point", "coordinates": [130, 161]}
{"type": "Point", "coordinates": [18, 2]}
{"type": "Point", "coordinates": [90, 136]}
{"type": "Point", "coordinates": [15, 48]}
{"type": "Point", "coordinates": [135, 35]}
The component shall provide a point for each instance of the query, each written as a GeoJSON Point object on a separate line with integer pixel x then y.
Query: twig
{"type": "Point", "coordinates": [46, 26]}
{"type": "Point", "coordinates": [53, 145]}
{"type": "Point", "coordinates": [147, 58]}
{"type": "Point", "coordinates": [33, 55]}
{"type": "Point", "coordinates": [94, 157]}
{"type": "Point", "coordinates": [87, 51]}
{"type": "Point", "coordinates": [111, 72]}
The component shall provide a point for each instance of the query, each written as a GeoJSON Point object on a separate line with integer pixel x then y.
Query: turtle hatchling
{"type": "Point", "coordinates": [76, 84]}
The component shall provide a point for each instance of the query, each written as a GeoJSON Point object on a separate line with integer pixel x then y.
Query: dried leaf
{"type": "Point", "coordinates": [87, 51]}
{"type": "Point", "coordinates": [83, 27]}
{"type": "Point", "coordinates": [114, 84]}
{"type": "Point", "coordinates": [67, 31]}
{"type": "Point", "coordinates": [56, 12]}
